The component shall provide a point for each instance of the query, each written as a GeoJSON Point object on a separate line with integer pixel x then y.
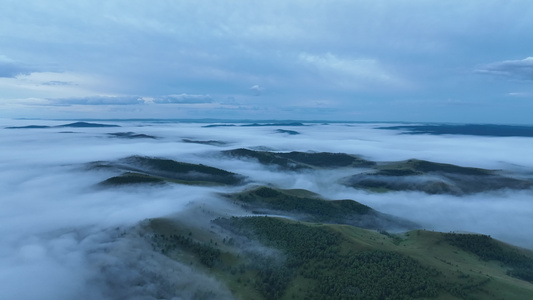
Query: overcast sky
{"type": "Point", "coordinates": [442, 61]}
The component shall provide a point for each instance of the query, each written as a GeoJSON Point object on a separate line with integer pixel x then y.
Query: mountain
{"type": "Point", "coordinates": [274, 124]}
{"type": "Point", "coordinates": [409, 175]}
{"type": "Point", "coordinates": [312, 250]}
{"type": "Point", "coordinates": [433, 178]}
{"type": "Point", "coordinates": [86, 125]}
{"type": "Point", "coordinates": [75, 125]}
{"type": "Point", "coordinates": [467, 129]}
{"type": "Point", "coordinates": [300, 160]}
{"type": "Point", "coordinates": [28, 127]}
{"type": "Point", "coordinates": [144, 169]}
{"type": "Point", "coordinates": [131, 135]}
{"type": "Point", "coordinates": [289, 132]}
{"type": "Point", "coordinates": [275, 258]}
{"type": "Point", "coordinates": [209, 142]}
{"type": "Point", "coordinates": [273, 243]}
{"type": "Point", "coordinates": [306, 206]}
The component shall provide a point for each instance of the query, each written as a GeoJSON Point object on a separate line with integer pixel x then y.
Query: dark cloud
{"type": "Point", "coordinates": [514, 69]}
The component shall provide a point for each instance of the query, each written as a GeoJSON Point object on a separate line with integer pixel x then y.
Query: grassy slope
{"type": "Point", "coordinates": [459, 268]}
{"type": "Point", "coordinates": [301, 160]}
{"type": "Point", "coordinates": [307, 206]}
{"type": "Point", "coordinates": [461, 274]}
{"type": "Point", "coordinates": [142, 169]}
{"type": "Point", "coordinates": [230, 274]}
{"type": "Point", "coordinates": [134, 178]}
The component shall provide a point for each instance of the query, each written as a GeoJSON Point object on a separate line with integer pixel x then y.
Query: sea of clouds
{"type": "Point", "coordinates": [63, 237]}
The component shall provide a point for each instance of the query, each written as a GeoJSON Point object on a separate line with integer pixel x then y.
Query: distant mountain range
{"type": "Point", "coordinates": [467, 129]}
{"type": "Point", "coordinates": [409, 175]}
{"type": "Point", "coordinates": [74, 125]}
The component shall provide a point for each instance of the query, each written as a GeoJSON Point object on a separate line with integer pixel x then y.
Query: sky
{"type": "Point", "coordinates": [412, 61]}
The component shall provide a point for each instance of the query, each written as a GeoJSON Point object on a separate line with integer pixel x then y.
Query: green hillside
{"type": "Point", "coordinates": [432, 178]}
{"type": "Point", "coordinates": [409, 175]}
{"type": "Point", "coordinates": [305, 206]}
{"type": "Point", "coordinates": [300, 160]}
{"type": "Point", "coordinates": [313, 261]}
{"type": "Point", "coordinates": [143, 169]}
{"type": "Point", "coordinates": [317, 248]}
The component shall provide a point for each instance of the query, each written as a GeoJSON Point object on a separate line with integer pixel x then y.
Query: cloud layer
{"type": "Point", "coordinates": [70, 239]}
{"type": "Point", "coordinates": [374, 60]}
{"type": "Point", "coordinates": [513, 69]}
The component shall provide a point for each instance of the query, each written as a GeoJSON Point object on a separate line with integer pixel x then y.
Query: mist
{"type": "Point", "coordinates": [63, 237]}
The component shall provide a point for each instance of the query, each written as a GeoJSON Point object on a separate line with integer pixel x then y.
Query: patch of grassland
{"type": "Point", "coordinates": [308, 206]}
{"type": "Point", "coordinates": [301, 160]}
{"type": "Point", "coordinates": [346, 262]}
{"type": "Point", "coordinates": [142, 169]}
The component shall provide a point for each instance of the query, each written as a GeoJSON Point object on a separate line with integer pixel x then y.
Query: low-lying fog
{"type": "Point", "coordinates": [63, 238]}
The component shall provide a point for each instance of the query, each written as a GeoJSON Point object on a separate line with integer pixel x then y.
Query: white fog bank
{"type": "Point", "coordinates": [61, 235]}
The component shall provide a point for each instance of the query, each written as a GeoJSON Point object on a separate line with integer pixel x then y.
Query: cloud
{"type": "Point", "coordinates": [71, 240]}
{"type": "Point", "coordinates": [316, 103]}
{"type": "Point", "coordinates": [58, 82]}
{"type": "Point", "coordinates": [520, 94]}
{"type": "Point", "coordinates": [513, 69]}
{"type": "Point", "coordinates": [257, 90]}
{"type": "Point", "coordinates": [54, 85]}
{"type": "Point", "coordinates": [183, 99]}
{"type": "Point", "coordinates": [128, 100]}
{"type": "Point", "coordinates": [10, 68]}
{"type": "Point", "coordinates": [349, 72]}
{"type": "Point", "coordinates": [66, 238]}
{"type": "Point", "coordinates": [99, 100]}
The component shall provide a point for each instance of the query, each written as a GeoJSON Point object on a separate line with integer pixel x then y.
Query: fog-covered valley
{"type": "Point", "coordinates": [64, 235]}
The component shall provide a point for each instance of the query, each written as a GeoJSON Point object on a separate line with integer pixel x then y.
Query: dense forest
{"type": "Point", "coordinates": [316, 254]}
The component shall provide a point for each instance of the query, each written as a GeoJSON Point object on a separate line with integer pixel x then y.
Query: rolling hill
{"type": "Point", "coordinates": [433, 178]}
{"type": "Point", "coordinates": [300, 160]}
{"type": "Point", "coordinates": [143, 169]}
{"type": "Point", "coordinates": [275, 258]}
{"type": "Point", "coordinates": [306, 206]}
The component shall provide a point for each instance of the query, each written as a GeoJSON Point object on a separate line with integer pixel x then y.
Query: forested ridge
{"type": "Point", "coordinates": [488, 249]}
{"type": "Point", "coordinates": [318, 209]}
{"type": "Point", "coordinates": [144, 169]}
{"type": "Point", "coordinates": [314, 253]}
{"type": "Point", "coordinates": [306, 206]}
{"type": "Point", "coordinates": [299, 260]}
{"type": "Point", "coordinates": [301, 160]}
